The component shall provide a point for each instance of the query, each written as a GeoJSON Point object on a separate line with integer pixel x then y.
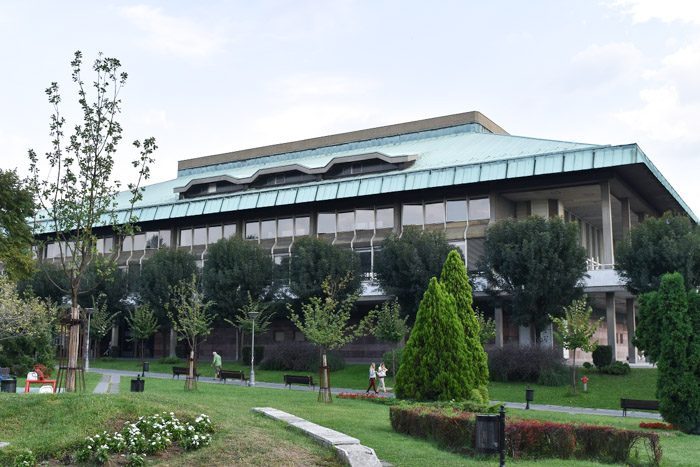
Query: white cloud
{"type": "Point", "coordinates": [667, 11]}
{"type": "Point", "coordinates": [603, 65]}
{"type": "Point", "coordinates": [173, 35]}
{"type": "Point", "coordinates": [306, 86]}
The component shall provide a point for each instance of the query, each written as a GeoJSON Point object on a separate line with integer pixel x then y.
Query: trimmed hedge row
{"type": "Point", "coordinates": [455, 430]}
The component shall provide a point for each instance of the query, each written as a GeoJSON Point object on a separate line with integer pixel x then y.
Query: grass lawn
{"type": "Point", "coordinates": [244, 438]}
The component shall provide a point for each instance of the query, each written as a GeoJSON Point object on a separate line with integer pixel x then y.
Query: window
{"type": "Point", "coordinates": [435, 213]}
{"type": "Point", "coordinates": [364, 219]}
{"type": "Point", "coordinates": [214, 234]}
{"type": "Point", "coordinates": [252, 230]}
{"type": "Point", "coordinates": [229, 230]}
{"type": "Point", "coordinates": [105, 245]}
{"type": "Point", "coordinates": [326, 223]}
{"type": "Point", "coordinates": [152, 240]}
{"type": "Point", "coordinates": [127, 244]}
{"type": "Point", "coordinates": [139, 242]}
{"type": "Point", "coordinates": [52, 250]}
{"type": "Point", "coordinates": [479, 209]}
{"type": "Point", "coordinates": [186, 237]}
{"type": "Point", "coordinates": [278, 336]}
{"type": "Point", "coordinates": [200, 236]}
{"type": "Point", "coordinates": [412, 214]}
{"type": "Point", "coordinates": [365, 261]}
{"type": "Point", "coordinates": [299, 336]}
{"type": "Point", "coordinates": [385, 218]}
{"type": "Point", "coordinates": [302, 226]}
{"type": "Point", "coordinates": [457, 211]}
{"type": "Point", "coordinates": [285, 227]}
{"type": "Point", "coordinates": [268, 229]}
{"type": "Point", "coordinates": [346, 221]}
{"type": "Point", "coordinates": [164, 238]}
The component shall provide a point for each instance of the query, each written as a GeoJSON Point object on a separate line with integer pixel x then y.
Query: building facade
{"type": "Point", "coordinates": [458, 174]}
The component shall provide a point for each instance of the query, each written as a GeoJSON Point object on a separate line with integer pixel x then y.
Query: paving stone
{"type": "Point", "coordinates": [278, 414]}
{"type": "Point", "coordinates": [358, 455]}
{"type": "Point", "coordinates": [325, 435]}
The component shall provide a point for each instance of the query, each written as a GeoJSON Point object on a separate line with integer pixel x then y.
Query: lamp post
{"type": "Point", "coordinates": [88, 311]}
{"type": "Point", "coordinates": [252, 315]}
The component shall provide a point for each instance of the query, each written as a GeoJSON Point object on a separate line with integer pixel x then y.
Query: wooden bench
{"type": "Point", "coordinates": [179, 370]}
{"type": "Point", "coordinates": [231, 374]}
{"type": "Point", "coordinates": [638, 404]}
{"type": "Point", "coordinates": [298, 379]}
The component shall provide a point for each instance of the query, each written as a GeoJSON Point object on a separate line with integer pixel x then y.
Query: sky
{"type": "Point", "coordinates": [217, 76]}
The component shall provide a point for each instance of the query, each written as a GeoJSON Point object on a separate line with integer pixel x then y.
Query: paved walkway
{"type": "Point", "coordinates": [108, 385]}
{"type": "Point", "coordinates": [513, 405]}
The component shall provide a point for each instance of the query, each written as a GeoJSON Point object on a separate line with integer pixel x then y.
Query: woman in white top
{"type": "Point", "coordinates": [381, 373]}
{"type": "Point", "coordinates": [372, 378]}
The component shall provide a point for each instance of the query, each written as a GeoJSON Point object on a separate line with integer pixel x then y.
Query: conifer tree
{"type": "Point", "coordinates": [456, 282]}
{"type": "Point", "coordinates": [434, 364]}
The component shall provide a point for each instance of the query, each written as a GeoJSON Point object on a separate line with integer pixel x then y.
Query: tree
{"type": "Point", "coordinates": [575, 330]}
{"type": "Point", "coordinates": [158, 274]}
{"type": "Point", "coordinates": [191, 318]}
{"type": "Point", "coordinates": [314, 260]}
{"type": "Point", "coordinates": [539, 263]}
{"type": "Point", "coordinates": [16, 206]}
{"type": "Point", "coordinates": [102, 321]}
{"type": "Point", "coordinates": [669, 334]}
{"type": "Point", "coordinates": [487, 327]}
{"type": "Point", "coordinates": [22, 317]}
{"type": "Point", "coordinates": [389, 326]}
{"type": "Point", "coordinates": [143, 324]}
{"type": "Point", "coordinates": [79, 193]}
{"type": "Point", "coordinates": [456, 282]}
{"type": "Point", "coordinates": [657, 246]}
{"type": "Point", "coordinates": [324, 321]}
{"type": "Point", "coordinates": [434, 363]}
{"type": "Point", "coordinates": [263, 317]}
{"type": "Point", "coordinates": [406, 263]}
{"type": "Point", "coordinates": [235, 272]}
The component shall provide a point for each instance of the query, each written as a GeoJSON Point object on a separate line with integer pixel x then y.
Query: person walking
{"type": "Point", "coordinates": [216, 363]}
{"type": "Point", "coordinates": [381, 374]}
{"type": "Point", "coordinates": [372, 379]}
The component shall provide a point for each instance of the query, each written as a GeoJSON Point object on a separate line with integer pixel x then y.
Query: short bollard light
{"type": "Point", "coordinates": [529, 397]}
{"type": "Point", "coordinates": [138, 384]}
{"type": "Point", "coordinates": [584, 380]}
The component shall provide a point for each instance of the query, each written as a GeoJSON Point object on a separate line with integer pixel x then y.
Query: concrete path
{"type": "Point", "coordinates": [108, 385]}
{"type": "Point", "coordinates": [512, 405]}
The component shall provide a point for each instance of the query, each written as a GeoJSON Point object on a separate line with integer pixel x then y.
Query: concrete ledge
{"type": "Point", "coordinates": [348, 449]}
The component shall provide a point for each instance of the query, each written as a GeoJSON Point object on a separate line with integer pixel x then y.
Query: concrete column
{"type": "Point", "coordinates": [114, 341]}
{"type": "Point", "coordinates": [610, 321]}
{"type": "Point", "coordinates": [173, 343]}
{"type": "Point", "coordinates": [631, 330]}
{"type": "Point", "coordinates": [498, 318]}
{"type": "Point", "coordinates": [626, 217]}
{"type": "Point", "coordinates": [524, 336]}
{"type": "Point", "coordinates": [608, 255]}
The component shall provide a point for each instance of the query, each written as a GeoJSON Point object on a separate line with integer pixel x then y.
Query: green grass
{"type": "Point", "coordinates": [56, 423]}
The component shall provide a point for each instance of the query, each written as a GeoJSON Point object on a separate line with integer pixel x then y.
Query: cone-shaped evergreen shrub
{"type": "Point", "coordinates": [434, 362]}
{"type": "Point", "coordinates": [669, 333]}
{"type": "Point", "coordinates": [456, 282]}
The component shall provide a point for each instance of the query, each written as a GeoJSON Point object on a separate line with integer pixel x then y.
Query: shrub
{"type": "Point", "coordinates": [515, 363]}
{"type": "Point", "coordinates": [386, 358]}
{"type": "Point", "coordinates": [587, 365]}
{"type": "Point", "coordinates": [334, 359]}
{"type": "Point", "coordinates": [558, 375]}
{"type": "Point", "coordinates": [602, 356]}
{"type": "Point", "coordinates": [170, 360]}
{"type": "Point", "coordinates": [25, 459]}
{"type": "Point", "coordinates": [657, 426]}
{"type": "Point", "coordinates": [259, 353]}
{"type": "Point", "coordinates": [297, 356]}
{"type": "Point", "coordinates": [617, 368]}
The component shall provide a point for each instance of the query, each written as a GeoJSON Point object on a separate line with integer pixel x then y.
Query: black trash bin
{"type": "Point", "coordinates": [146, 366]}
{"type": "Point", "coordinates": [138, 384]}
{"type": "Point", "coordinates": [8, 385]}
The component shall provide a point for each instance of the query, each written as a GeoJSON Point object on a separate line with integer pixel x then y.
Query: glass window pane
{"type": "Point", "coordinates": [51, 250]}
{"type": "Point", "coordinates": [164, 238]}
{"type": "Point", "coordinates": [457, 210]}
{"type": "Point", "coordinates": [229, 230]}
{"type": "Point", "coordinates": [268, 229]}
{"type": "Point", "coordinates": [326, 223]}
{"type": "Point", "coordinates": [214, 234]}
{"type": "Point", "coordinates": [127, 244]}
{"type": "Point", "coordinates": [346, 221]}
{"type": "Point", "coordinates": [152, 240]}
{"type": "Point", "coordinates": [365, 261]}
{"type": "Point", "coordinates": [364, 219]}
{"type": "Point", "coordinates": [109, 244]}
{"type": "Point", "coordinates": [100, 245]}
{"type": "Point", "coordinates": [385, 218]}
{"type": "Point", "coordinates": [435, 213]}
{"type": "Point", "coordinates": [139, 242]}
{"type": "Point", "coordinates": [302, 226]}
{"type": "Point", "coordinates": [412, 214]}
{"type": "Point", "coordinates": [200, 236]}
{"type": "Point", "coordinates": [479, 209]}
{"type": "Point", "coordinates": [285, 227]}
{"type": "Point", "coordinates": [186, 237]}
{"type": "Point", "coordinates": [252, 230]}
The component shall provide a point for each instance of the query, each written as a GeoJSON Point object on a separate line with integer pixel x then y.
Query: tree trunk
{"type": "Point", "coordinates": [173, 343]}
{"type": "Point", "coordinates": [73, 347]}
{"type": "Point", "coordinates": [190, 382]}
{"type": "Point", "coordinates": [573, 371]}
{"type": "Point", "coordinates": [393, 363]}
{"type": "Point", "coordinates": [324, 388]}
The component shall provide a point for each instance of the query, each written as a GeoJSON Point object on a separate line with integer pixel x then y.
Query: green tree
{"type": "Point", "coordinates": [143, 324]}
{"type": "Point", "coordinates": [79, 192]}
{"type": "Point", "coordinates": [325, 322]}
{"type": "Point", "coordinates": [575, 330]}
{"type": "Point", "coordinates": [191, 317]}
{"type": "Point", "coordinates": [22, 317]}
{"type": "Point", "coordinates": [539, 263]}
{"type": "Point", "coordinates": [388, 326]}
{"type": "Point", "coordinates": [456, 282]}
{"type": "Point", "coordinates": [314, 260]}
{"type": "Point", "coordinates": [487, 327]}
{"type": "Point", "coordinates": [101, 321]}
{"type": "Point", "coordinates": [16, 206]}
{"type": "Point", "coordinates": [669, 334]}
{"type": "Point", "coordinates": [657, 246]}
{"type": "Point", "coordinates": [235, 272]}
{"type": "Point", "coordinates": [406, 263]}
{"type": "Point", "coordinates": [434, 363]}
{"type": "Point", "coordinates": [158, 274]}
{"type": "Point", "coordinates": [262, 313]}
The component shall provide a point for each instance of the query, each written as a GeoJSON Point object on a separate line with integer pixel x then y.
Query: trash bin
{"type": "Point", "coordinates": [146, 366]}
{"type": "Point", "coordinates": [8, 385]}
{"type": "Point", "coordinates": [487, 433]}
{"type": "Point", "coordinates": [138, 384]}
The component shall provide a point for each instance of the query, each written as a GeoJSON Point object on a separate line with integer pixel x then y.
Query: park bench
{"type": "Point", "coordinates": [638, 404]}
{"type": "Point", "coordinates": [298, 379]}
{"type": "Point", "coordinates": [179, 370]}
{"type": "Point", "coordinates": [231, 374]}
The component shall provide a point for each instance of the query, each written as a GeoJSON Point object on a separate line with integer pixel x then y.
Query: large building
{"type": "Point", "coordinates": [458, 173]}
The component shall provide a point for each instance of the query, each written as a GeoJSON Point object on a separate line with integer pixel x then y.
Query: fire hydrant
{"type": "Point", "coordinates": [584, 380]}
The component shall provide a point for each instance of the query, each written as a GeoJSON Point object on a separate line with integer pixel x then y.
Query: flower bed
{"type": "Point", "coordinates": [148, 435]}
{"type": "Point", "coordinates": [657, 426]}
{"type": "Point", "coordinates": [455, 430]}
{"type": "Point", "coordinates": [359, 395]}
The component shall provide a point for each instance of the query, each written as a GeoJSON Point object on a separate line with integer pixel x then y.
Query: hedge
{"type": "Point", "coordinates": [455, 430]}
